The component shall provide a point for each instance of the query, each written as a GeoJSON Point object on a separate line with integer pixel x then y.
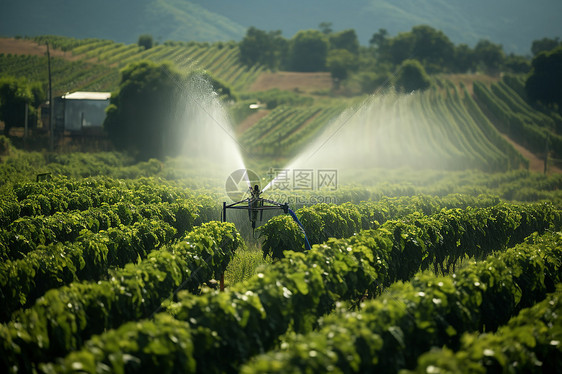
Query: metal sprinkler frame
{"type": "Point", "coordinates": [255, 204]}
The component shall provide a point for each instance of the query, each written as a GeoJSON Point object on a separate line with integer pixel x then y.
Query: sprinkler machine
{"type": "Point", "coordinates": [255, 205]}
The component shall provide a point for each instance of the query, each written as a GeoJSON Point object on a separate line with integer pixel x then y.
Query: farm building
{"type": "Point", "coordinates": [79, 111]}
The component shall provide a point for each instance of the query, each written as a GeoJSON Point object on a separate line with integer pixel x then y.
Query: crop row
{"type": "Point", "coordinates": [450, 229]}
{"type": "Point", "coordinates": [514, 157]}
{"type": "Point", "coordinates": [532, 131]}
{"type": "Point", "coordinates": [66, 75]}
{"type": "Point", "coordinates": [222, 60]}
{"type": "Point", "coordinates": [65, 317]}
{"type": "Point", "coordinates": [60, 195]}
{"type": "Point", "coordinates": [24, 234]}
{"type": "Point", "coordinates": [251, 316]}
{"type": "Point", "coordinates": [389, 333]}
{"type": "Point", "coordinates": [88, 258]}
{"type": "Point", "coordinates": [186, 56]}
{"type": "Point", "coordinates": [529, 343]}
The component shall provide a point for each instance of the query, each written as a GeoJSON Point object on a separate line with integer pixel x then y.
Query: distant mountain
{"type": "Point", "coordinates": [119, 20]}
{"type": "Point", "coordinates": [513, 23]}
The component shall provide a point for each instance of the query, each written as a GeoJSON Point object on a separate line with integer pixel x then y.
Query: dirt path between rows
{"type": "Point", "coordinates": [535, 163]}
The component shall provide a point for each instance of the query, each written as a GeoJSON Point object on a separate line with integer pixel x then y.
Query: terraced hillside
{"type": "Point", "coordinates": [94, 64]}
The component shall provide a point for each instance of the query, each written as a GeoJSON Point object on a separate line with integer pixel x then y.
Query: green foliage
{"type": "Point", "coordinates": [525, 125]}
{"type": "Point", "coordinates": [346, 39]}
{"type": "Point", "coordinates": [87, 258]}
{"type": "Point", "coordinates": [389, 333]}
{"type": "Point", "coordinates": [517, 64]}
{"type": "Point", "coordinates": [145, 41]}
{"type": "Point", "coordinates": [308, 51]}
{"type": "Point", "coordinates": [411, 77]}
{"type": "Point", "coordinates": [529, 342]}
{"type": "Point", "coordinates": [244, 265]}
{"type": "Point", "coordinates": [432, 48]}
{"type": "Point", "coordinates": [490, 56]}
{"type": "Point", "coordinates": [141, 115]}
{"type": "Point", "coordinates": [543, 84]}
{"type": "Point", "coordinates": [6, 146]}
{"type": "Point", "coordinates": [544, 45]}
{"type": "Point", "coordinates": [295, 291]}
{"type": "Point", "coordinates": [340, 62]}
{"type": "Point", "coordinates": [15, 93]}
{"type": "Point", "coordinates": [64, 318]}
{"type": "Point", "coordinates": [263, 48]}
{"type": "Point", "coordinates": [331, 221]}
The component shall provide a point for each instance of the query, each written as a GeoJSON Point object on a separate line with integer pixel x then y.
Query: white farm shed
{"type": "Point", "coordinates": [82, 110]}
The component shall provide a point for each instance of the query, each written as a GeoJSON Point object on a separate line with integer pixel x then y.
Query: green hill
{"type": "Point", "coordinates": [122, 21]}
{"type": "Point", "coordinates": [513, 23]}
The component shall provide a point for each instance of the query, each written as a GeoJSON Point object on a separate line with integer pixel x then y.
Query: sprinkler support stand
{"type": "Point", "coordinates": [254, 205]}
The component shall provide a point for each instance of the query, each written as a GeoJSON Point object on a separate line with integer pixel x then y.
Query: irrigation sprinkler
{"type": "Point", "coordinates": [255, 205]}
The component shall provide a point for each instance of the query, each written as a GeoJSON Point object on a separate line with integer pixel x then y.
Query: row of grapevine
{"type": "Point", "coordinates": [62, 194]}
{"type": "Point", "coordinates": [427, 128]}
{"type": "Point", "coordinates": [220, 59]}
{"type": "Point", "coordinates": [66, 75]}
{"type": "Point", "coordinates": [63, 43]}
{"type": "Point", "coordinates": [514, 157]}
{"type": "Point", "coordinates": [529, 343]}
{"type": "Point", "coordinates": [99, 62]}
{"type": "Point", "coordinates": [89, 257]}
{"type": "Point", "coordinates": [389, 333]}
{"type": "Point", "coordinates": [322, 221]}
{"type": "Point", "coordinates": [529, 128]}
{"type": "Point", "coordinates": [27, 233]}
{"type": "Point", "coordinates": [287, 128]}
{"type": "Point", "coordinates": [65, 317]}
{"type": "Point", "coordinates": [292, 292]}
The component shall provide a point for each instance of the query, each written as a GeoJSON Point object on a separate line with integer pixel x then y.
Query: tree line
{"type": "Point", "coordinates": [421, 50]}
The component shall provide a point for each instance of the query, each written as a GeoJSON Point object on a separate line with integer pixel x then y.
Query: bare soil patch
{"type": "Point", "coordinates": [535, 163]}
{"type": "Point", "coordinates": [292, 81]}
{"type": "Point", "coordinates": [29, 47]}
{"type": "Point", "coordinates": [251, 120]}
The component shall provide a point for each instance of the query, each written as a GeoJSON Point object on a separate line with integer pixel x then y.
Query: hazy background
{"type": "Point", "coordinates": [512, 23]}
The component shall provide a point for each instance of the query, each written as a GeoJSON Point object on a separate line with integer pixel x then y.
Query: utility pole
{"type": "Point", "coordinates": [26, 126]}
{"type": "Point", "coordinates": [51, 106]}
{"type": "Point", "coordinates": [546, 154]}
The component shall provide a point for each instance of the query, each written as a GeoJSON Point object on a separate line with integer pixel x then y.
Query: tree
{"type": "Point", "coordinates": [260, 47]}
{"type": "Point", "coordinates": [379, 41]}
{"type": "Point", "coordinates": [326, 27]}
{"type": "Point", "coordinates": [14, 94]}
{"type": "Point", "coordinates": [308, 51]}
{"type": "Point", "coordinates": [339, 63]}
{"type": "Point", "coordinates": [544, 44]}
{"type": "Point", "coordinates": [145, 41]}
{"type": "Point", "coordinates": [545, 79]}
{"type": "Point", "coordinates": [517, 64]}
{"type": "Point", "coordinates": [400, 47]}
{"type": "Point", "coordinates": [140, 117]}
{"type": "Point", "coordinates": [432, 48]}
{"type": "Point", "coordinates": [463, 59]}
{"type": "Point", "coordinates": [490, 56]}
{"type": "Point", "coordinates": [347, 40]}
{"type": "Point", "coordinates": [411, 77]}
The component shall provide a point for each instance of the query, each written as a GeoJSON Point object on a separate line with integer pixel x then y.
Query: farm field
{"type": "Point", "coordinates": [114, 269]}
{"type": "Point", "coordinates": [463, 122]}
{"type": "Point", "coordinates": [437, 247]}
